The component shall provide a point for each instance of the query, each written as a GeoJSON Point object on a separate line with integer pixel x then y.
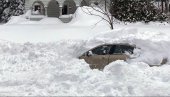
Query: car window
{"type": "Point", "coordinates": [102, 50]}
{"type": "Point", "coordinates": [115, 49]}
{"type": "Point", "coordinates": [112, 49]}
{"type": "Point", "coordinates": [120, 49]}
{"type": "Point", "coordinates": [127, 48]}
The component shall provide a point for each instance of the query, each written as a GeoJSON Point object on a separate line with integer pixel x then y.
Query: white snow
{"type": "Point", "coordinates": [66, 16]}
{"type": "Point", "coordinates": [17, 20]}
{"type": "Point", "coordinates": [50, 21]}
{"type": "Point", "coordinates": [39, 58]}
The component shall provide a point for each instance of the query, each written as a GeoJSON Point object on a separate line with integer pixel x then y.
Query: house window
{"type": "Point", "coordinates": [37, 8]}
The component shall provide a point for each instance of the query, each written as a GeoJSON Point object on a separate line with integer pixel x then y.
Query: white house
{"type": "Point", "coordinates": [55, 8]}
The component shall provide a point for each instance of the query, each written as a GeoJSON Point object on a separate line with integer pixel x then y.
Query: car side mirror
{"type": "Point", "coordinates": [89, 53]}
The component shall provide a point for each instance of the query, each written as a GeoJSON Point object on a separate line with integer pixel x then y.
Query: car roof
{"type": "Point", "coordinates": [117, 44]}
{"type": "Point", "coordinates": [112, 44]}
{"type": "Point", "coordinates": [127, 44]}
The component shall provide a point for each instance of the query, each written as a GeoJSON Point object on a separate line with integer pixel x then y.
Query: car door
{"type": "Point", "coordinates": [117, 53]}
{"type": "Point", "coordinates": [99, 57]}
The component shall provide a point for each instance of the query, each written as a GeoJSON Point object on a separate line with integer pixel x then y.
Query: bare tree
{"type": "Point", "coordinates": [103, 8]}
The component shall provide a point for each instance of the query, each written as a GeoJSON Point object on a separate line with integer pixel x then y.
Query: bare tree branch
{"type": "Point", "coordinates": [90, 13]}
{"type": "Point", "coordinates": [105, 13]}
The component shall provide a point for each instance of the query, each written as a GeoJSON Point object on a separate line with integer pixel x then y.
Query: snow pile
{"type": "Point", "coordinates": [27, 14]}
{"type": "Point", "coordinates": [137, 79]}
{"type": "Point", "coordinates": [49, 69]}
{"type": "Point", "coordinates": [66, 16]}
{"type": "Point", "coordinates": [152, 47]}
{"type": "Point", "coordinates": [82, 17]}
{"type": "Point", "coordinates": [17, 20]}
{"type": "Point", "coordinates": [50, 21]}
{"type": "Point", "coordinates": [22, 20]}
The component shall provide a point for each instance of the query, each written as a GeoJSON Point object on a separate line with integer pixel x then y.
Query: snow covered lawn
{"type": "Point", "coordinates": [40, 59]}
{"type": "Point", "coordinates": [45, 33]}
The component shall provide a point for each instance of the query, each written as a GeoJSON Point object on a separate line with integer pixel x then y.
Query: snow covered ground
{"type": "Point", "coordinates": [40, 58]}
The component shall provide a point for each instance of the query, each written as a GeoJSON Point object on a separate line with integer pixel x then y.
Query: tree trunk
{"type": "Point", "coordinates": [112, 26]}
{"type": "Point", "coordinates": [166, 6]}
{"type": "Point", "coordinates": [105, 5]}
{"type": "Point", "coordinates": [162, 5]}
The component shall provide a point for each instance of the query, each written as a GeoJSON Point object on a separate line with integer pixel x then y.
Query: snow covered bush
{"type": "Point", "coordinates": [136, 10]}
{"type": "Point", "coordinates": [10, 8]}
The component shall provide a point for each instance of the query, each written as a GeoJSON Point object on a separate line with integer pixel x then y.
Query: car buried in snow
{"type": "Point", "coordinates": [102, 55]}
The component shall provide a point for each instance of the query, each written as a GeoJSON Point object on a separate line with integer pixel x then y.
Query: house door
{"type": "Point", "coordinates": [53, 9]}
{"type": "Point", "coordinates": [65, 10]}
{"type": "Point", "coordinates": [69, 7]}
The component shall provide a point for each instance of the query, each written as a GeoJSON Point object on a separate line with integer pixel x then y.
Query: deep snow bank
{"type": "Point", "coordinates": [152, 47]}
{"type": "Point", "coordinates": [49, 69]}
{"type": "Point", "coordinates": [22, 20]}
{"type": "Point", "coordinates": [17, 20]}
{"type": "Point", "coordinates": [50, 21]}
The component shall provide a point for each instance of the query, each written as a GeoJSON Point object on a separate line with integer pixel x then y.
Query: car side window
{"type": "Point", "coordinates": [115, 49]}
{"type": "Point", "coordinates": [127, 48]}
{"type": "Point", "coordinates": [102, 50]}
{"type": "Point", "coordinates": [121, 49]}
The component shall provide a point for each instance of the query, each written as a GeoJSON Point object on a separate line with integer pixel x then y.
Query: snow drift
{"type": "Point", "coordinates": [23, 20]}
{"type": "Point", "coordinates": [49, 69]}
{"type": "Point", "coordinates": [17, 20]}
{"type": "Point", "coordinates": [50, 21]}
